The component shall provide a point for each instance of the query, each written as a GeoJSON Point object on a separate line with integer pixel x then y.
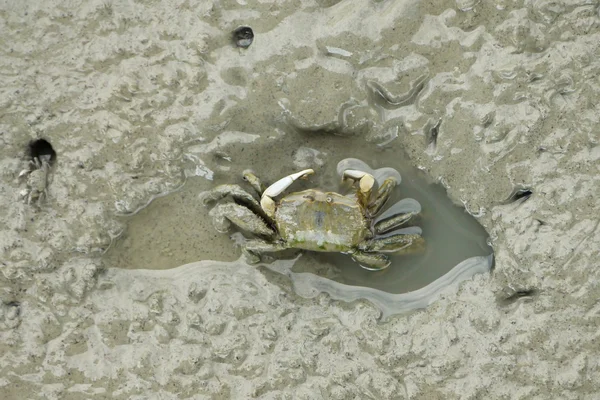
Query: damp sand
{"type": "Point", "coordinates": [485, 98]}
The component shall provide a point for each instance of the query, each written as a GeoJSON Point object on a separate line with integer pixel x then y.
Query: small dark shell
{"type": "Point", "coordinates": [243, 36]}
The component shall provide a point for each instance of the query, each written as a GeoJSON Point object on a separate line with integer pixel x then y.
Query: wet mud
{"type": "Point", "coordinates": [494, 101]}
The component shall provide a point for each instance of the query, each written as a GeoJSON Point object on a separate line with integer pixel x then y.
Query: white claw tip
{"type": "Point", "coordinates": [302, 174]}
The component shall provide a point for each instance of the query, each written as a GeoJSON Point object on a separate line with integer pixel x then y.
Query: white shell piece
{"type": "Point", "coordinates": [337, 51]}
{"type": "Point", "coordinates": [204, 171]}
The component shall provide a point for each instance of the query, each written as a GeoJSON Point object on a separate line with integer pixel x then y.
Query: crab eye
{"type": "Point", "coordinates": [329, 199]}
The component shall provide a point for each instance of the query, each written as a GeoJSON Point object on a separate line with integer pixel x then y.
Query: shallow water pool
{"type": "Point", "coordinates": [176, 229]}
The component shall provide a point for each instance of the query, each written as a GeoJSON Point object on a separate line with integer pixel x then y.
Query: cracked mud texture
{"type": "Point", "coordinates": [487, 97]}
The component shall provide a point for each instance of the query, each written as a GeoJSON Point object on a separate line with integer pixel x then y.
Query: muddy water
{"type": "Point", "coordinates": [176, 229]}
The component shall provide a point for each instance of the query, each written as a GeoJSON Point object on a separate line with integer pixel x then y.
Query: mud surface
{"type": "Point", "coordinates": [491, 99]}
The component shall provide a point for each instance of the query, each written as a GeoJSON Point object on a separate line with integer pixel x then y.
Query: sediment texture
{"type": "Point", "coordinates": [487, 97]}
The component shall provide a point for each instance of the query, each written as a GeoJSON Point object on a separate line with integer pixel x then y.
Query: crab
{"type": "Point", "coordinates": [316, 220]}
{"type": "Point", "coordinates": [37, 180]}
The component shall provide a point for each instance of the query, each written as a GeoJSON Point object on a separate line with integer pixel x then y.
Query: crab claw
{"type": "Point", "coordinates": [266, 201]}
{"type": "Point", "coordinates": [365, 183]}
{"type": "Point", "coordinates": [282, 184]}
{"type": "Point", "coordinates": [23, 173]}
{"type": "Point", "coordinates": [365, 179]}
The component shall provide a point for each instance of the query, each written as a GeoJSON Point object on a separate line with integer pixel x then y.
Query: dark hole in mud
{"type": "Point", "coordinates": [432, 132]}
{"type": "Point", "coordinates": [518, 194]}
{"type": "Point", "coordinates": [41, 149]}
{"type": "Point", "coordinates": [14, 306]}
{"type": "Point", "coordinates": [176, 229]}
{"type": "Point", "coordinates": [518, 294]}
{"type": "Point", "coordinates": [243, 36]}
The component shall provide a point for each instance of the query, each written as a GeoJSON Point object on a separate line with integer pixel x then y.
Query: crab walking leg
{"type": "Point", "coordinates": [371, 261]}
{"type": "Point", "coordinates": [252, 249]}
{"type": "Point", "coordinates": [392, 243]}
{"type": "Point", "coordinates": [234, 191]}
{"type": "Point", "coordinates": [254, 181]}
{"type": "Point", "coordinates": [225, 214]}
{"type": "Point", "coordinates": [383, 194]}
{"type": "Point", "coordinates": [266, 201]}
{"type": "Point", "coordinates": [237, 193]}
{"type": "Point", "coordinates": [365, 184]}
{"type": "Point", "coordinates": [393, 222]}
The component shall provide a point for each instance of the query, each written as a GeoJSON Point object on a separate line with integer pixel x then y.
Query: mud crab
{"type": "Point", "coordinates": [316, 220]}
{"type": "Point", "coordinates": [36, 180]}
